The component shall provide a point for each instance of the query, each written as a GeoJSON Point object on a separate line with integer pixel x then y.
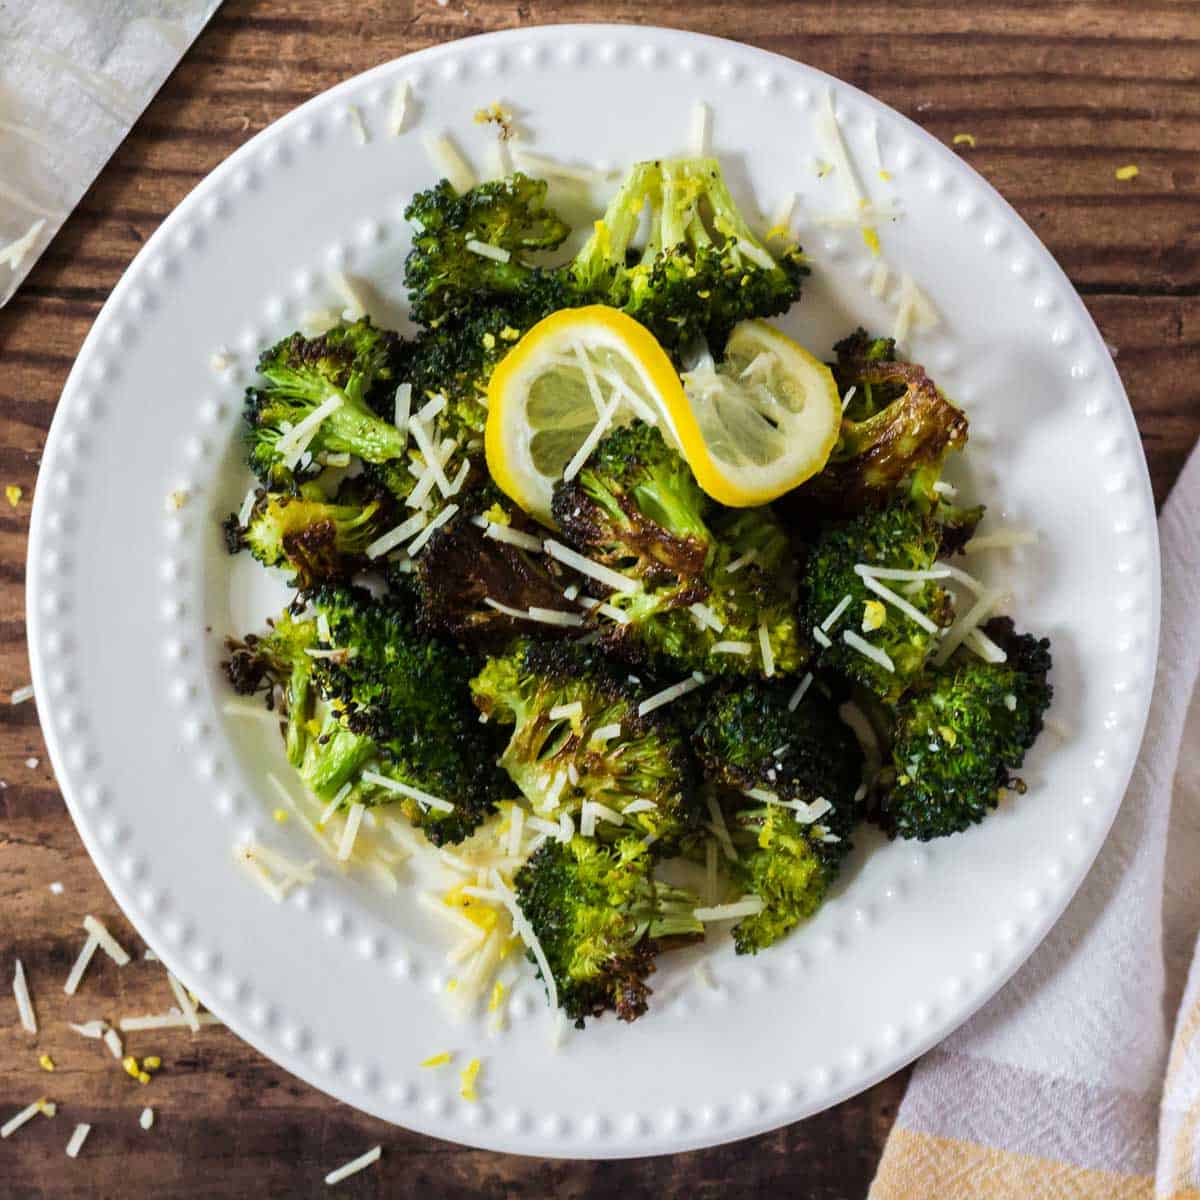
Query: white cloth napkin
{"type": "Point", "coordinates": [74, 77]}
{"type": "Point", "coordinates": [1068, 1083]}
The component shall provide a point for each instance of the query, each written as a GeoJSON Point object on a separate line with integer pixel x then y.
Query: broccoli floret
{"type": "Point", "coordinates": [804, 768]}
{"type": "Point", "coordinates": [750, 739]}
{"type": "Point", "coordinates": [410, 695]}
{"type": "Point", "coordinates": [461, 568]}
{"type": "Point", "coordinates": [898, 536]}
{"type": "Point", "coordinates": [785, 869]}
{"type": "Point", "coordinates": [278, 658]}
{"type": "Point", "coordinates": [895, 435]}
{"type": "Point", "coordinates": [962, 732]}
{"type": "Point", "coordinates": [600, 751]}
{"type": "Point", "coordinates": [601, 918]}
{"type": "Point", "coordinates": [348, 365]}
{"type": "Point", "coordinates": [320, 540]}
{"type": "Point", "coordinates": [446, 279]}
{"type": "Point", "coordinates": [636, 507]}
{"type": "Point", "coordinates": [702, 269]}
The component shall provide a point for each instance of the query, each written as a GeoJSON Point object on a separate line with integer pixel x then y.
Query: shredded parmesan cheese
{"type": "Point", "coordinates": [589, 443]}
{"type": "Point", "coordinates": [403, 789]}
{"type": "Point", "coordinates": [1001, 539]}
{"type": "Point", "coordinates": [78, 1137]}
{"type": "Point", "coordinates": [399, 110]}
{"type": "Point", "coordinates": [585, 566]}
{"type": "Point", "coordinates": [865, 648]}
{"type": "Point", "coordinates": [81, 964]}
{"type": "Point", "coordinates": [719, 829]}
{"type": "Point", "coordinates": [832, 619]}
{"type": "Point", "coordinates": [24, 1000]}
{"type": "Point", "coordinates": [184, 1000]}
{"type": "Point", "coordinates": [798, 694]}
{"type": "Point", "coordinates": [605, 733]}
{"type": "Point", "coordinates": [732, 648]}
{"type": "Point", "coordinates": [912, 613]}
{"type": "Point", "coordinates": [350, 831]}
{"type": "Point", "coordinates": [390, 540]}
{"type": "Point", "coordinates": [707, 617]}
{"type": "Point", "coordinates": [515, 537]}
{"type": "Point", "coordinates": [487, 250]}
{"type": "Point", "coordinates": [14, 253]}
{"type": "Point", "coordinates": [748, 906]}
{"type": "Point", "coordinates": [354, 1166]}
{"type": "Point", "coordinates": [561, 712]}
{"type": "Point", "coordinates": [975, 615]}
{"type": "Point", "coordinates": [106, 940]}
{"type": "Point", "coordinates": [26, 1114]}
{"type": "Point", "coordinates": [764, 646]}
{"type": "Point", "coordinates": [418, 543]}
{"type": "Point", "coordinates": [449, 161]}
{"type": "Point", "coordinates": [355, 117]}
{"type": "Point", "coordinates": [112, 1039]}
{"type": "Point", "coordinates": [701, 130]}
{"type": "Point", "coordinates": [147, 1118]}
{"type": "Point", "coordinates": [551, 616]}
{"type": "Point", "coordinates": [667, 695]}
{"type": "Point", "coordinates": [21, 694]}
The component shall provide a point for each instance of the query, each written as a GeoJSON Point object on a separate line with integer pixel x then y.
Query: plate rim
{"type": "Point", "coordinates": [692, 1138]}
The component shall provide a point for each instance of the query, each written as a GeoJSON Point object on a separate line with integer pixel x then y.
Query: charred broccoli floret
{"type": "Point", "coordinates": [702, 269]}
{"type": "Point", "coordinates": [410, 695]}
{"type": "Point", "coordinates": [899, 536]}
{"type": "Point", "coordinates": [601, 918]}
{"type": "Point", "coordinates": [636, 507]}
{"type": "Point", "coordinates": [320, 540]}
{"type": "Point", "coordinates": [578, 739]}
{"type": "Point", "coordinates": [895, 435]}
{"type": "Point", "coordinates": [278, 658]}
{"type": "Point", "coordinates": [792, 777]}
{"type": "Point", "coordinates": [330, 379]}
{"type": "Point", "coordinates": [963, 731]}
{"type": "Point", "coordinates": [467, 248]}
{"type": "Point", "coordinates": [461, 568]}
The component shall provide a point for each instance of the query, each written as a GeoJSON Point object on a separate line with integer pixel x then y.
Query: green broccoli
{"type": "Point", "coordinates": [409, 695]}
{"type": "Point", "coordinates": [336, 374]}
{"type": "Point", "coordinates": [578, 738]}
{"type": "Point", "coordinates": [895, 435]}
{"type": "Point", "coordinates": [702, 269]}
{"type": "Point", "coordinates": [962, 731]}
{"type": "Point", "coordinates": [279, 664]}
{"type": "Point", "coordinates": [320, 540]}
{"type": "Point", "coordinates": [792, 779]}
{"type": "Point", "coordinates": [635, 507]}
{"type": "Point", "coordinates": [899, 536]}
{"type": "Point", "coordinates": [601, 918]}
{"type": "Point", "coordinates": [505, 218]}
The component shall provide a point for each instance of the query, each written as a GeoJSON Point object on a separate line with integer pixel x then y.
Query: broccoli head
{"type": "Point", "coordinates": [636, 507]}
{"type": "Point", "coordinates": [900, 536]}
{"type": "Point", "coordinates": [320, 540]}
{"type": "Point", "coordinates": [785, 869]}
{"type": "Point", "coordinates": [577, 738]}
{"type": "Point", "coordinates": [895, 435]}
{"type": "Point", "coordinates": [331, 380]}
{"type": "Point", "coordinates": [278, 659]}
{"type": "Point", "coordinates": [702, 269]}
{"type": "Point", "coordinates": [461, 568]}
{"type": "Point", "coordinates": [791, 778]}
{"type": "Point", "coordinates": [601, 918]}
{"type": "Point", "coordinates": [961, 733]}
{"type": "Point", "coordinates": [445, 271]}
{"type": "Point", "coordinates": [410, 695]}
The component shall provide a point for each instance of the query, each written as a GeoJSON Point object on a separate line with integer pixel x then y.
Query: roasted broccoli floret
{"type": "Point", "coordinates": [279, 658]}
{"type": "Point", "coordinates": [467, 248]}
{"type": "Point", "coordinates": [320, 540]}
{"type": "Point", "coordinates": [900, 536]}
{"type": "Point", "coordinates": [702, 269]}
{"type": "Point", "coordinates": [330, 379]}
{"type": "Point", "coordinates": [601, 918]}
{"type": "Point", "coordinates": [791, 780]}
{"type": "Point", "coordinates": [578, 740]}
{"type": "Point", "coordinates": [462, 568]}
{"type": "Point", "coordinates": [895, 434]}
{"type": "Point", "coordinates": [962, 732]}
{"type": "Point", "coordinates": [635, 507]}
{"type": "Point", "coordinates": [410, 695]}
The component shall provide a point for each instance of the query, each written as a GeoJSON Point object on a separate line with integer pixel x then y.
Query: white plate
{"type": "Point", "coordinates": [127, 606]}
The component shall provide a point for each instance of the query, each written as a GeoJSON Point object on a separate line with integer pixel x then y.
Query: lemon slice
{"type": "Point", "coordinates": [761, 422]}
{"type": "Point", "coordinates": [751, 428]}
{"type": "Point", "coordinates": [574, 375]}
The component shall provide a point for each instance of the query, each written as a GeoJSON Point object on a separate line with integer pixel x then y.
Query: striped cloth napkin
{"type": "Point", "coordinates": [1081, 1078]}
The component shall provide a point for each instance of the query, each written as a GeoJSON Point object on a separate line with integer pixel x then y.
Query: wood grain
{"type": "Point", "coordinates": [1057, 96]}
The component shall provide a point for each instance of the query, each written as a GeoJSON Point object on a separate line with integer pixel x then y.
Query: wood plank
{"type": "Point", "coordinates": [1057, 96]}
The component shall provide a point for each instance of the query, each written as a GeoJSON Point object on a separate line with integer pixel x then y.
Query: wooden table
{"type": "Point", "coordinates": [1057, 97]}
